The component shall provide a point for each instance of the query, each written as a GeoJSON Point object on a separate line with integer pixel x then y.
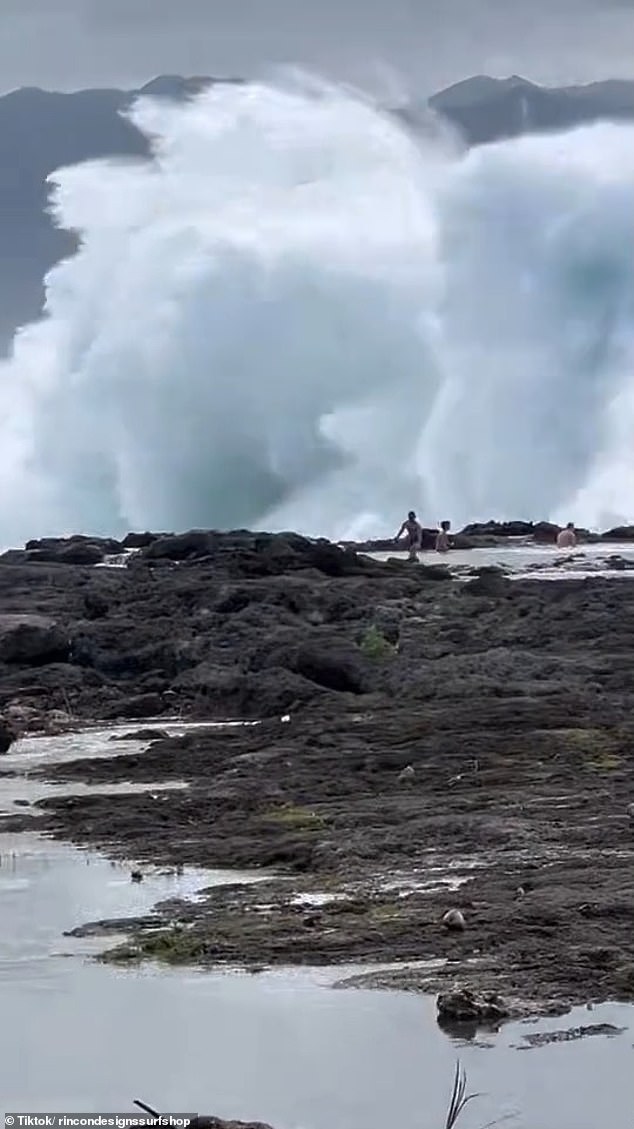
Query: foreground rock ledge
{"type": "Point", "coordinates": [481, 732]}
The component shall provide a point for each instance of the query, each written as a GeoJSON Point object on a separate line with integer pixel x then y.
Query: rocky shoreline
{"type": "Point", "coordinates": [422, 745]}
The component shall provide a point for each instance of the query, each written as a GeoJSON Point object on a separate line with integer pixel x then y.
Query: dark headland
{"type": "Point", "coordinates": [414, 729]}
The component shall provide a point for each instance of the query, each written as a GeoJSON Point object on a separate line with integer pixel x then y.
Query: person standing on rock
{"type": "Point", "coordinates": [567, 538]}
{"type": "Point", "coordinates": [414, 535]}
{"type": "Point", "coordinates": [443, 543]}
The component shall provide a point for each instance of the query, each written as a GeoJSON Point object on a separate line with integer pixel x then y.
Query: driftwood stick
{"type": "Point", "coordinates": [147, 1108]}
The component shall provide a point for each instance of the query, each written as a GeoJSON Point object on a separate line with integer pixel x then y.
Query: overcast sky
{"type": "Point", "coordinates": [68, 44]}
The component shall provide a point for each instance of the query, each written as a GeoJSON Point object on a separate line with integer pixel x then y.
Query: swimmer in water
{"type": "Point", "coordinates": [567, 538]}
{"type": "Point", "coordinates": [413, 529]}
{"type": "Point", "coordinates": [443, 543]}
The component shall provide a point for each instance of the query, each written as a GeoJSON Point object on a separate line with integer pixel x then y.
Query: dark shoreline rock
{"type": "Point", "coordinates": [511, 701]}
{"type": "Point", "coordinates": [32, 640]}
{"type": "Point", "coordinates": [231, 625]}
{"type": "Point", "coordinates": [620, 533]}
{"type": "Point", "coordinates": [572, 1034]}
{"type": "Point", "coordinates": [7, 735]}
{"type": "Point", "coordinates": [494, 534]}
{"type": "Point", "coordinates": [463, 1007]}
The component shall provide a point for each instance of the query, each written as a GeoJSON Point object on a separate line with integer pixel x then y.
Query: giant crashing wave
{"type": "Point", "coordinates": [301, 315]}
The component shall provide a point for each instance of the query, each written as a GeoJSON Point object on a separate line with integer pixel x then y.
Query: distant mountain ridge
{"type": "Point", "coordinates": [41, 131]}
{"type": "Point", "coordinates": [488, 109]}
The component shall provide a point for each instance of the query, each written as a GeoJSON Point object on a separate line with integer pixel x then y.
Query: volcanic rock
{"type": "Point", "coordinates": [32, 640]}
{"type": "Point", "coordinates": [7, 735]}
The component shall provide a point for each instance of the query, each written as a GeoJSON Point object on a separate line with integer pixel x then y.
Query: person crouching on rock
{"type": "Point", "coordinates": [443, 543]}
{"type": "Point", "coordinates": [567, 538]}
{"type": "Point", "coordinates": [414, 535]}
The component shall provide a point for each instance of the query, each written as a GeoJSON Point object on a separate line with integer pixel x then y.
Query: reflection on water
{"type": "Point", "coordinates": [279, 1047]}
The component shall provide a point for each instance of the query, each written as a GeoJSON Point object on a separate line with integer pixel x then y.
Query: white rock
{"type": "Point", "coordinates": [453, 919]}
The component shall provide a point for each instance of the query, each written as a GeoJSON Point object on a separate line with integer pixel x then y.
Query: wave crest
{"type": "Point", "coordinates": [301, 315]}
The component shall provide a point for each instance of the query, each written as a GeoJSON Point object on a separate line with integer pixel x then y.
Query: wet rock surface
{"type": "Point", "coordinates": [572, 1034]}
{"type": "Point", "coordinates": [32, 640]}
{"type": "Point", "coordinates": [462, 1006]}
{"type": "Point", "coordinates": [489, 534]}
{"type": "Point", "coordinates": [7, 735]}
{"type": "Point", "coordinates": [511, 702]}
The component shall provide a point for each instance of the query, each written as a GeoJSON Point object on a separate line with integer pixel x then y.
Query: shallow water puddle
{"type": "Point", "coordinates": [32, 754]}
{"type": "Point", "coordinates": [98, 742]}
{"type": "Point", "coordinates": [531, 562]}
{"type": "Point", "coordinates": [80, 1036]}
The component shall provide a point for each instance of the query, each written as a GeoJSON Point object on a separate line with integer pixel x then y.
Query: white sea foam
{"type": "Point", "coordinates": [302, 315]}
